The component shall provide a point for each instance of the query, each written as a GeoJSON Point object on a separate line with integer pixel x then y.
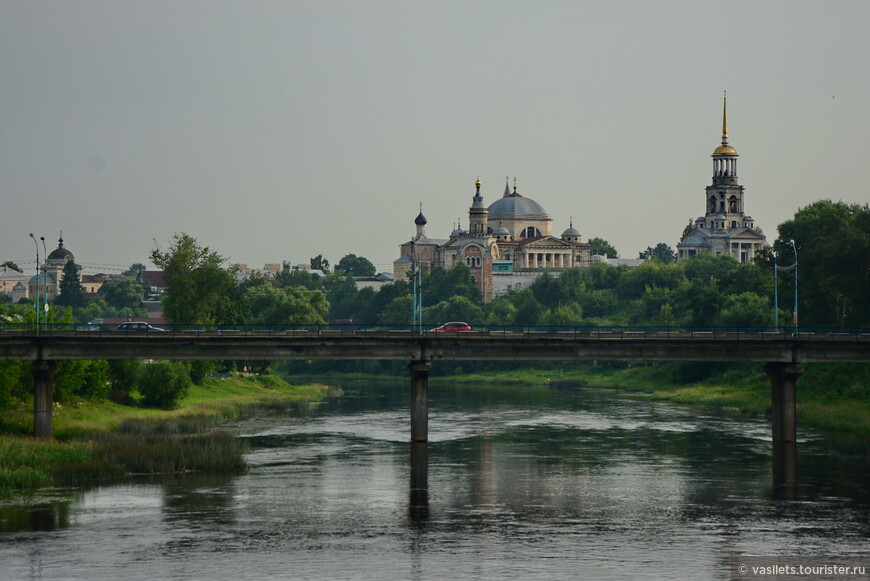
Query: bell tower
{"type": "Point", "coordinates": [725, 195]}
{"type": "Point", "coordinates": [477, 213]}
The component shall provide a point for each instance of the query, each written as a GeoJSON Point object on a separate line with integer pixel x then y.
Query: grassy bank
{"type": "Point", "coordinates": [830, 397]}
{"type": "Point", "coordinates": [98, 440]}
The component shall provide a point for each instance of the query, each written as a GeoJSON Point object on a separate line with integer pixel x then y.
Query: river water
{"type": "Point", "coordinates": [531, 482]}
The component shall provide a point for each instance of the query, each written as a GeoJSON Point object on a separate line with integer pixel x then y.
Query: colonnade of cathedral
{"type": "Point", "coordinates": [547, 260]}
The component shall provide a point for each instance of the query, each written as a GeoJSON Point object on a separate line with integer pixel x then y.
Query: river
{"type": "Point", "coordinates": [519, 482]}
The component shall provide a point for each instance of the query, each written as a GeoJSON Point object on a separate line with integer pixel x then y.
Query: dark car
{"type": "Point", "coordinates": [137, 326]}
{"type": "Point", "coordinates": [452, 327]}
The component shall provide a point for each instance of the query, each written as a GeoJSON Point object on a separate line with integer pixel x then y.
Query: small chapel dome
{"type": "Point", "coordinates": [501, 231]}
{"type": "Point", "coordinates": [570, 233]}
{"type": "Point", "coordinates": [458, 233]}
{"type": "Point", "coordinates": [724, 149]}
{"type": "Point", "coordinates": [420, 220]}
{"type": "Point", "coordinates": [60, 253]}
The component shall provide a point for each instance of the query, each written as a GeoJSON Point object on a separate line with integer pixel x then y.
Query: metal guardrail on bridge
{"type": "Point", "coordinates": [585, 332]}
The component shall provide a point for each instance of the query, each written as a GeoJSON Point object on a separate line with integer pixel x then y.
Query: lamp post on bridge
{"type": "Point", "coordinates": [44, 286]}
{"type": "Point", "coordinates": [795, 312]}
{"type": "Point", "coordinates": [35, 243]}
{"type": "Point", "coordinates": [417, 291]}
{"type": "Point", "coordinates": [775, 294]}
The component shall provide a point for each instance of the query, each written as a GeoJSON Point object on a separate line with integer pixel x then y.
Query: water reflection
{"type": "Point", "coordinates": [418, 504]}
{"type": "Point", "coordinates": [41, 516]}
{"type": "Point", "coordinates": [515, 483]}
{"type": "Point", "coordinates": [785, 484]}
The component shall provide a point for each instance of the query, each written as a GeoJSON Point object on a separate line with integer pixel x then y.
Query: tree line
{"type": "Point", "coordinates": [831, 244]}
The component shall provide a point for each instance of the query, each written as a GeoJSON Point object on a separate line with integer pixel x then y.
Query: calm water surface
{"type": "Point", "coordinates": [516, 483]}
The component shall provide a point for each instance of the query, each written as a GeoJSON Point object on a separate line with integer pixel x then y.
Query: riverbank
{"type": "Point", "coordinates": [98, 440]}
{"type": "Point", "coordinates": [830, 397]}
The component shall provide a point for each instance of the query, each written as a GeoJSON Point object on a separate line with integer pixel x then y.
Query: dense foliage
{"type": "Point", "coordinates": [831, 240]}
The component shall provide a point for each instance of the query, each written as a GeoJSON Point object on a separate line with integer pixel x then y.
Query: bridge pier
{"type": "Point", "coordinates": [43, 389]}
{"type": "Point", "coordinates": [420, 400]}
{"type": "Point", "coordinates": [783, 377]}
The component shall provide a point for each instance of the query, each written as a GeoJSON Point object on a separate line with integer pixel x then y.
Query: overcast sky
{"type": "Point", "coordinates": [280, 130]}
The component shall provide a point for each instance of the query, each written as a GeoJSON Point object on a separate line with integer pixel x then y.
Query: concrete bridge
{"type": "Point", "coordinates": [782, 353]}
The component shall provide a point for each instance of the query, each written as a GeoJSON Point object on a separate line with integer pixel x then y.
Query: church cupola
{"type": "Point", "coordinates": [420, 221]}
{"type": "Point", "coordinates": [725, 156]}
{"type": "Point", "coordinates": [477, 213]}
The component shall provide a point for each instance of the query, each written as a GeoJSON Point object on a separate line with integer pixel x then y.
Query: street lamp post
{"type": "Point", "coordinates": [44, 286]}
{"type": "Point", "coordinates": [35, 243]}
{"type": "Point", "coordinates": [417, 291]}
{"type": "Point", "coordinates": [795, 312]}
{"type": "Point", "coordinates": [775, 294]}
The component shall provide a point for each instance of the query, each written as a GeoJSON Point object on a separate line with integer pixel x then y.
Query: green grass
{"type": "Point", "coordinates": [830, 397]}
{"type": "Point", "coordinates": [100, 440]}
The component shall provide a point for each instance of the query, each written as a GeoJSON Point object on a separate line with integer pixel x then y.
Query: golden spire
{"type": "Point", "coordinates": [725, 117]}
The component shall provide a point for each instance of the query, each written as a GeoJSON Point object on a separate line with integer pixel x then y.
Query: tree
{"type": "Point", "coordinates": [705, 266]}
{"type": "Point", "coordinates": [697, 302]}
{"type": "Point", "coordinates": [745, 310]}
{"type": "Point", "coordinates": [355, 265]}
{"type": "Point", "coordinates": [134, 269]}
{"type": "Point", "coordinates": [833, 252]}
{"type": "Point", "coordinates": [529, 310]}
{"type": "Point", "coordinates": [122, 379]}
{"type": "Point", "coordinates": [199, 289]}
{"type": "Point", "coordinates": [12, 266]}
{"type": "Point", "coordinates": [396, 312]}
{"type": "Point", "coordinates": [83, 378]}
{"type": "Point", "coordinates": [275, 305]}
{"type": "Point", "coordinates": [290, 276]}
{"type": "Point", "coordinates": [342, 294]}
{"type": "Point", "coordinates": [440, 284]}
{"type": "Point", "coordinates": [603, 248]}
{"type": "Point", "coordinates": [163, 383]}
{"type": "Point", "coordinates": [662, 253]}
{"type": "Point", "coordinates": [71, 288]}
{"type": "Point", "coordinates": [320, 263]}
{"type": "Point", "coordinates": [547, 290]}
{"type": "Point", "coordinates": [688, 229]}
{"type": "Point", "coordinates": [456, 308]}
{"type": "Point", "coordinates": [124, 293]}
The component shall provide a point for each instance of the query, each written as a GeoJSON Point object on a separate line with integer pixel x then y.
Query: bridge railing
{"type": "Point", "coordinates": [401, 331]}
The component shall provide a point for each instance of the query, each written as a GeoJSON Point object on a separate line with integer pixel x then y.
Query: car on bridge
{"type": "Point", "coordinates": [452, 327]}
{"type": "Point", "coordinates": [138, 326]}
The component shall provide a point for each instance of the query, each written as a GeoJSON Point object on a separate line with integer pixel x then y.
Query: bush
{"type": "Point", "coordinates": [163, 384]}
{"type": "Point", "coordinates": [122, 377]}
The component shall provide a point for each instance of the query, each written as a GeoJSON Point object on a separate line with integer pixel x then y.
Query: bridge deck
{"type": "Point", "coordinates": [496, 344]}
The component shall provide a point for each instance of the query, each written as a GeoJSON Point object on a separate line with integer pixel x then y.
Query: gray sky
{"type": "Point", "coordinates": [280, 130]}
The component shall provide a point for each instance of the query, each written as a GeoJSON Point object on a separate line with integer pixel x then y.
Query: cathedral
{"type": "Point", "coordinates": [725, 228]}
{"type": "Point", "coordinates": [508, 244]}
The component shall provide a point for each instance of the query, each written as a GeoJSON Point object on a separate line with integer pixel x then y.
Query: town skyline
{"type": "Point", "coordinates": [275, 132]}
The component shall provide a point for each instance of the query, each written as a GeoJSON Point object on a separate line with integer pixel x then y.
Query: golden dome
{"type": "Point", "coordinates": [725, 149]}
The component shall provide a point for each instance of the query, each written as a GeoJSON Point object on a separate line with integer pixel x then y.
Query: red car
{"type": "Point", "coordinates": [452, 327]}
